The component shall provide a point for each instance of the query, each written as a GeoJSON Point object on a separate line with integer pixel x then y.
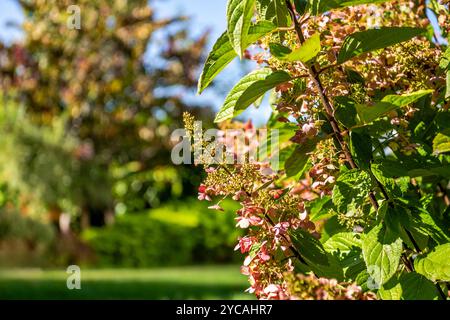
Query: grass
{"type": "Point", "coordinates": [206, 282]}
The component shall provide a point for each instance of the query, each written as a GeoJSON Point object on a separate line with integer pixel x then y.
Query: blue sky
{"type": "Point", "coordinates": [9, 11]}
{"type": "Point", "coordinates": [204, 15]}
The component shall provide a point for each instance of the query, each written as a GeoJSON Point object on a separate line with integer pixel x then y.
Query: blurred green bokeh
{"type": "Point", "coordinates": [214, 282]}
{"type": "Point", "coordinates": [86, 175]}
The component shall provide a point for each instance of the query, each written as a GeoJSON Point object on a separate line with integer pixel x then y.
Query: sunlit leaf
{"type": "Point", "coordinates": [239, 16]}
{"type": "Point", "coordinates": [305, 53]}
{"type": "Point", "coordinates": [374, 39]}
{"type": "Point", "coordinates": [248, 90]}
{"type": "Point", "coordinates": [223, 53]}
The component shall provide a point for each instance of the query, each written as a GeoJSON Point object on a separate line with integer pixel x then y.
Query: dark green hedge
{"type": "Point", "coordinates": [181, 233]}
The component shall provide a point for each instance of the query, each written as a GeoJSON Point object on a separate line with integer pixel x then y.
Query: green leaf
{"type": "Point", "coordinates": [275, 11]}
{"type": "Point", "coordinates": [342, 242]}
{"type": "Point", "coordinates": [354, 77]}
{"type": "Point", "coordinates": [279, 51]}
{"type": "Point", "coordinates": [388, 103]}
{"type": "Point", "coordinates": [374, 39]}
{"type": "Point", "coordinates": [391, 185]}
{"type": "Point", "coordinates": [351, 187]}
{"type": "Point", "coordinates": [223, 53]}
{"type": "Point", "coordinates": [361, 149]}
{"type": "Point", "coordinates": [281, 136]}
{"type": "Point", "coordinates": [259, 88]}
{"type": "Point", "coordinates": [414, 167]}
{"type": "Point", "coordinates": [346, 248]}
{"type": "Point", "coordinates": [239, 16]}
{"type": "Point", "coordinates": [409, 286]}
{"type": "Point", "coordinates": [331, 227]}
{"type": "Point", "coordinates": [296, 163]}
{"type": "Point", "coordinates": [308, 50]}
{"type": "Point", "coordinates": [348, 3]}
{"type": "Point", "coordinates": [426, 224]}
{"type": "Point", "coordinates": [220, 56]}
{"type": "Point", "coordinates": [300, 6]}
{"type": "Point", "coordinates": [310, 248]}
{"type": "Point", "coordinates": [399, 221]}
{"type": "Point", "coordinates": [441, 143]}
{"type": "Point", "coordinates": [436, 264]}
{"type": "Point", "coordinates": [248, 90]}
{"type": "Point", "coordinates": [319, 6]}
{"type": "Point", "coordinates": [444, 63]}
{"type": "Point", "coordinates": [322, 263]}
{"type": "Point", "coordinates": [381, 251]}
{"type": "Point", "coordinates": [417, 287]}
{"type": "Point", "coordinates": [392, 290]}
{"type": "Point", "coordinates": [346, 111]}
{"type": "Point", "coordinates": [447, 92]}
{"type": "Point", "coordinates": [362, 280]}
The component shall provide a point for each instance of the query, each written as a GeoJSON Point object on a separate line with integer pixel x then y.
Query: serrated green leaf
{"type": "Point", "coordinates": [374, 39]}
{"type": "Point", "coordinates": [296, 163]}
{"type": "Point", "coordinates": [391, 185]}
{"type": "Point", "coordinates": [352, 186]}
{"type": "Point", "coordinates": [444, 63]}
{"type": "Point", "coordinates": [279, 51]}
{"type": "Point", "coordinates": [346, 111]}
{"type": "Point", "coordinates": [408, 286]}
{"type": "Point", "coordinates": [279, 133]}
{"type": "Point", "coordinates": [381, 251]}
{"type": "Point", "coordinates": [319, 208]}
{"type": "Point", "coordinates": [361, 149]}
{"type": "Point", "coordinates": [332, 227]}
{"type": "Point", "coordinates": [436, 264]}
{"type": "Point", "coordinates": [342, 242]}
{"type": "Point", "coordinates": [307, 51]}
{"type": "Point", "coordinates": [346, 248]}
{"type": "Point", "coordinates": [441, 143]}
{"type": "Point", "coordinates": [414, 167]}
{"type": "Point", "coordinates": [239, 16]}
{"type": "Point", "coordinates": [417, 287]}
{"type": "Point", "coordinates": [322, 263]}
{"type": "Point", "coordinates": [223, 53]}
{"type": "Point", "coordinates": [389, 103]}
{"type": "Point", "coordinates": [275, 11]}
{"type": "Point", "coordinates": [392, 290]}
{"type": "Point", "coordinates": [362, 280]}
{"type": "Point", "coordinates": [399, 221]}
{"type": "Point", "coordinates": [248, 90]}
{"type": "Point", "coordinates": [426, 224]}
{"type": "Point", "coordinates": [260, 87]}
{"type": "Point", "coordinates": [319, 6]}
{"type": "Point", "coordinates": [309, 247]}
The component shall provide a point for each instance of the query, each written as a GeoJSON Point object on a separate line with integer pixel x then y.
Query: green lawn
{"type": "Point", "coordinates": [210, 282]}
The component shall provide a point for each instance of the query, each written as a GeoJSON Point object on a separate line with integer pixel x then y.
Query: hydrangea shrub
{"type": "Point", "coordinates": [358, 207]}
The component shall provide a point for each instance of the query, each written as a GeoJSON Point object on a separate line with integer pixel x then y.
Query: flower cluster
{"type": "Point", "coordinates": [270, 212]}
{"type": "Point", "coordinates": [277, 208]}
{"type": "Point", "coordinates": [303, 287]}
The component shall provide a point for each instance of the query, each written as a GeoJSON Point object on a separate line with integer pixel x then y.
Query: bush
{"type": "Point", "coordinates": [23, 241]}
{"type": "Point", "coordinates": [180, 233]}
{"type": "Point", "coordinates": [357, 204]}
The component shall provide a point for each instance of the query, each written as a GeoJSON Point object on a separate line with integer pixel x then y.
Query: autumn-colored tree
{"type": "Point", "coordinates": [96, 77]}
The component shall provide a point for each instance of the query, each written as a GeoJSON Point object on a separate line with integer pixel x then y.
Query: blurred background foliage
{"type": "Point", "coordinates": [85, 123]}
